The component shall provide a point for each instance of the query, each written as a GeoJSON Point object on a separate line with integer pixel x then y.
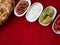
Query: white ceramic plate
{"type": "Point", "coordinates": [55, 12]}
{"type": "Point", "coordinates": [57, 32]}
{"type": "Point", "coordinates": [34, 12]}
{"type": "Point", "coordinates": [25, 11]}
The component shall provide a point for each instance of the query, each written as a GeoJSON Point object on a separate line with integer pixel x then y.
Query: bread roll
{"type": "Point", "coordinates": [6, 8]}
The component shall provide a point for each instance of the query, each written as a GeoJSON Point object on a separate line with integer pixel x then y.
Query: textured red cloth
{"type": "Point", "coordinates": [18, 31]}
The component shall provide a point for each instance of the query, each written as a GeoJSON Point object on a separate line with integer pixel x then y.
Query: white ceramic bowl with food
{"type": "Point", "coordinates": [34, 12]}
{"type": "Point", "coordinates": [55, 31]}
{"type": "Point", "coordinates": [20, 15]}
{"type": "Point", "coordinates": [55, 12]}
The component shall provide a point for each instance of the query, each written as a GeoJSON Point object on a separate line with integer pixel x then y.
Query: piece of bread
{"type": "Point", "coordinates": [6, 8]}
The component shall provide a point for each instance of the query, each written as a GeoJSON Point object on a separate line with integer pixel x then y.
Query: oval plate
{"type": "Point", "coordinates": [25, 11]}
{"type": "Point", "coordinates": [57, 32]}
{"type": "Point", "coordinates": [55, 12]}
{"type": "Point", "coordinates": [34, 12]}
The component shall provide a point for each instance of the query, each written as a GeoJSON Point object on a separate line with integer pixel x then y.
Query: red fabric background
{"type": "Point", "coordinates": [18, 31]}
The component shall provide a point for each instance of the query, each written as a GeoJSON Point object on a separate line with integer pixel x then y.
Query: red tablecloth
{"type": "Point", "coordinates": [18, 31]}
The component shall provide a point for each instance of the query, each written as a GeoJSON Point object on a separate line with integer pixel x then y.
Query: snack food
{"type": "Point", "coordinates": [50, 12]}
{"type": "Point", "coordinates": [46, 16]}
{"type": "Point", "coordinates": [47, 20]}
{"type": "Point", "coordinates": [6, 8]}
{"type": "Point", "coordinates": [57, 24]}
{"type": "Point", "coordinates": [22, 7]}
{"type": "Point", "coordinates": [43, 16]}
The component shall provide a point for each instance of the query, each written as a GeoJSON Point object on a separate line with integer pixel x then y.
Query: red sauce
{"type": "Point", "coordinates": [22, 7]}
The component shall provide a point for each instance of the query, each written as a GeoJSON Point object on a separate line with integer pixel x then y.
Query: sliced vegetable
{"type": "Point", "coordinates": [43, 16]}
{"type": "Point", "coordinates": [47, 20]}
{"type": "Point", "coordinates": [46, 16]}
{"type": "Point", "coordinates": [50, 12]}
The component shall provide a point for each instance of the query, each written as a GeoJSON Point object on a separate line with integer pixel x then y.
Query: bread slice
{"type": "Point", "coordinates": [6, 8]}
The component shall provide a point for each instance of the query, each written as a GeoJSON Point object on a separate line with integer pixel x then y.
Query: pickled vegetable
{"type": "Point", "coordinates": [47, 20]}
{"type": "Point", "coordinates": [50, 12]}
{"type": "Point", "coordinates": [46, 16]}
{"type": "Point", "coordinates": [43, 16]}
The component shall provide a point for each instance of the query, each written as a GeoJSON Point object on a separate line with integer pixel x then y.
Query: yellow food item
{"type": "Point", "coordinates": [50, 12]}
{"type": "Point", "coordinates": [47, 20]}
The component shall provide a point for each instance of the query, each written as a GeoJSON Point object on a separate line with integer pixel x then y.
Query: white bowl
{"type": "Point", "coordinates": [55, 12]}
{"type": "Point", "coordinates": [25, 11]}
{"type": "Point", "coordinates": [34, 12]}
{"type": "Point", "coordinates": [57, 32]}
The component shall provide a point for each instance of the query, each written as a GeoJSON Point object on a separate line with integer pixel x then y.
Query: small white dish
{"type": "Point", "coordinates": [34, 12]}
{"type": "Point", "coordinates": [57, 32]}
{"type": "Point", "coordinates": [25, 11]}
{"type": "Point", "coordinates": [55, 12]}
